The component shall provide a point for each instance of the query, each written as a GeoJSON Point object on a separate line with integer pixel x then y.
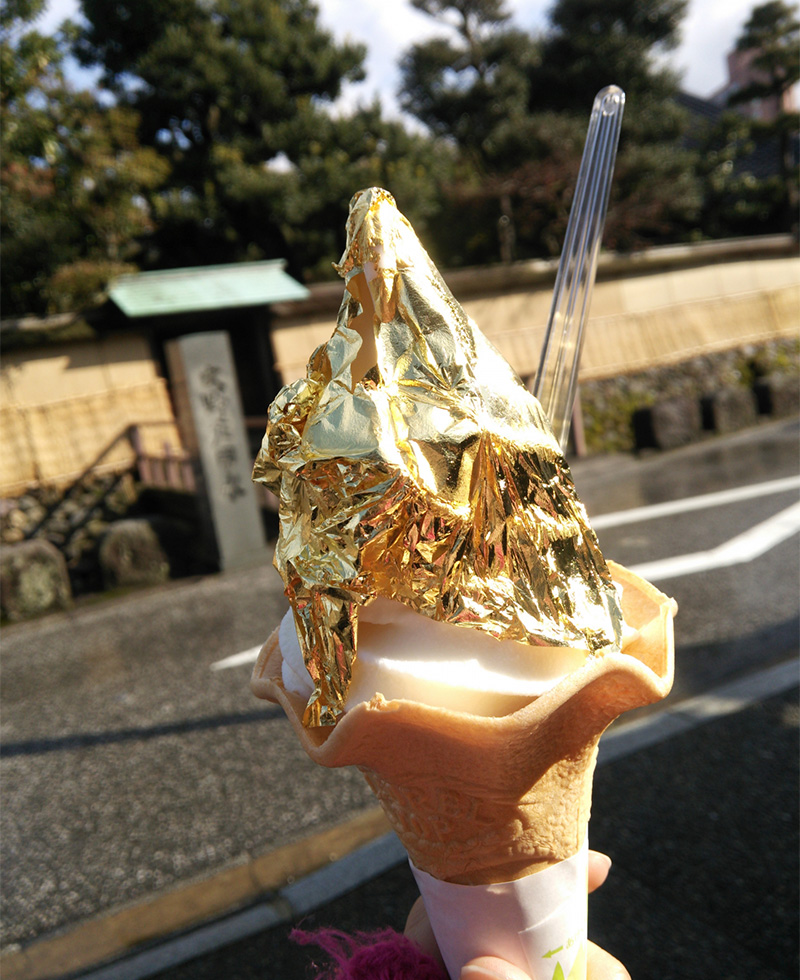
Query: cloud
{"type": "Point", "coordinates": [709, 32]}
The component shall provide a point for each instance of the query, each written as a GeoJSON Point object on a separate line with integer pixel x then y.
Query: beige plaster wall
{"type": "Point", "coordinates": [637, 319]}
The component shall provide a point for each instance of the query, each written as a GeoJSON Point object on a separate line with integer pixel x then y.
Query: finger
{"type": "Point", "coordinates": [599, 866]}
{"type": "Point", "coordinates": [491, 968]}
{"type": "Point", "coordinates": [601, 965]}
{"type": "Point", "coordinates": [418, 930]}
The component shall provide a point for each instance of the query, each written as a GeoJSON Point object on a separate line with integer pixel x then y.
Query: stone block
{"type": "Point", "coordinates": [778, 395]}
{"type": "Point", "coordinates": [730, 409]}
{"type": "Point", "coordinates": [668, 424]}
{"type": "Point", "coordinates": [131, 554]}
{"type": "Point", "coordinates": [33, 580]}
{"type": "Point", "coordinates": [209, 411]}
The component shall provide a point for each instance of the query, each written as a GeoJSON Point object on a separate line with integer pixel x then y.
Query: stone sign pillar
{"type": "Point", "coordinates": [209, 412]}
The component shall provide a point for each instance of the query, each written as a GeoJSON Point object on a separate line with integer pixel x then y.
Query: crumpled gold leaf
{"type": "Point", "coordinates": [415, 465]}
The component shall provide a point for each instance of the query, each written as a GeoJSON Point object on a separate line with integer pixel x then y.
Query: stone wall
{"type": "Point", "coordinates": [20, 516]}
{"type": "Point", "coordinates": [133, 537]}
{"type": "Point", "coordinates": [613, 408]}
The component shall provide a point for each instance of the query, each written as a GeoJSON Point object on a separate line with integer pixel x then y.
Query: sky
{"type": "Point", "coordinates": [389, 27]}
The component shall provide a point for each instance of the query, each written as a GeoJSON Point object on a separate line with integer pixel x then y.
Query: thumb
{"type": "Point", "coordinates": [602, 965]}
{"type": "Point", "coordinates": [491, 968]}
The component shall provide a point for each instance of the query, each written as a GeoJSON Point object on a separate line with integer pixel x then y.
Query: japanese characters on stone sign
{"type": "Point", "coordinates": [216, 399]}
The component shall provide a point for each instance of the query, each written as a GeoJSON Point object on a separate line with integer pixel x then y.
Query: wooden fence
{"type": "Point", "coordinates": [168, 467]}
{"type": "Point", "coordinates": [54, 442]}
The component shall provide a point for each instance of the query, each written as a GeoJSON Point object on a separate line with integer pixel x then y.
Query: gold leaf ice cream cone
{"type": "Point", "coordinates": [414, 468]}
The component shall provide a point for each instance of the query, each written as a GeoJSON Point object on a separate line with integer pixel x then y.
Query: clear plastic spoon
{"type": "Point", "coordinates": [557, 377]}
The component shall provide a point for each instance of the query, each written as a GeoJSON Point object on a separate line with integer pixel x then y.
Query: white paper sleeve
{"type": "Point", "coordinates": [538, 923]}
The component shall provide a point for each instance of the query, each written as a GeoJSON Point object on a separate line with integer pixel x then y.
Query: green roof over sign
{"type": "Point", "coordinates": [209, 287]}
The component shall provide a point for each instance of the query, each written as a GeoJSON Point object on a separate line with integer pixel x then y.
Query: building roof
{"type": "Point", "coordinates": [704, 108]}
{"type": "Point", "coordinates": [210, 287]}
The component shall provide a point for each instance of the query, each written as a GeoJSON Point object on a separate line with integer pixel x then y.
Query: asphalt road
{"type": "Point", "coordinates": [129, 765]}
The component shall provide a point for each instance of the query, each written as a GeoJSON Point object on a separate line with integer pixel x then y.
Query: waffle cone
{"type": "Point", "coordinates": [477, 800]}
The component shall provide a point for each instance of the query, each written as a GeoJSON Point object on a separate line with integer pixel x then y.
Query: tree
{"type": "Point", "coordinates": [771, 37]}
{"type": "Point", "coordinates": [471, 86]}
{"type": "Point", "coordinates": [772, 33]}
{"type": "Point", "coordinates": [655, 195]}
{"type": "Point", "coordinates": [72, 176]}
{"type": "Point", "coordinates": [232, 93]}
{"type": "Point", "coordinates": [212, 141]}
{"type": "Point", "coordinates": [594, 42]}
{"type": "Point", "coordinates": [30, 233]}
{"type": "Point", "coordinates": [359, 150]}
{"type": "Point", "coordinates": [735, 202]}
{"type": "Point", "coordinates": [518, 108]}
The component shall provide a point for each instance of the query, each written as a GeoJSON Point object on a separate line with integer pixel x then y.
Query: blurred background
{"type": "Point", "coordinates": [174, 183]}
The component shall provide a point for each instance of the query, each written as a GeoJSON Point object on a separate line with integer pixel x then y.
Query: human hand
{"type": "Point", "coordinates": [600, 964]}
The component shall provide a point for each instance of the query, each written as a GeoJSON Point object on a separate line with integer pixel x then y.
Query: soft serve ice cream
{"type": "Point", "coordinates": [402, 654]}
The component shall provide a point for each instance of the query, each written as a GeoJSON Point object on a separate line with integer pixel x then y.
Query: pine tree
{"type": "Point", "coordinates": [772, 33]}
{"type": "Point", "coordinates": [471, 86]}
{"type": "Point", "coordinates": [593, 43]}
{"type": "Point", "coordinates": [72, 180]}
{"type": "Point", "coordinates": [231, 93]}
{"type": "Point", "coordinates": [772, 37]}
{"type": "Point", "coordinates": [517, 106]}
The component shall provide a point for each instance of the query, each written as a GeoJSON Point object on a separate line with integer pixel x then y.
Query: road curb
{"type": "Point", "coordinates": [278, 879]}
{"type": "Point", "coordinates": [291, 902]}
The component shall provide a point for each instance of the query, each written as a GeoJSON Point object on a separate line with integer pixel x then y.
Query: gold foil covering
{"type": "Point", "coordinates": [433, 478]}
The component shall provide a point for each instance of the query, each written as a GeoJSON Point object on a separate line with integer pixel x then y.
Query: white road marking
{"type": "Point", "coordinates": [751, 544]}
{"type": "Point", "coordinates": [237, 659]}
{"type": "Point", "coordinates": [701, 502]}
{"type": "Point", "coordinates": [744, 547]}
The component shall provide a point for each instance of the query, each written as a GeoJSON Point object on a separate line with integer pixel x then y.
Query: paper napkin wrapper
{"type": "Point", "coordinates": [538, 923]}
